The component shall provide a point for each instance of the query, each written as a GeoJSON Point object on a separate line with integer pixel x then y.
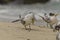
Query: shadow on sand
{"type": "Point", "coordinates": [31, 29]}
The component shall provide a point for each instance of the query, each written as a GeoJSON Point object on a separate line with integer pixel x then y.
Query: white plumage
{"type": "Point", "coordinates": [27, 20]}
{"type": "Point", "coordinates": [28, 17]}
{"type": "Point", "coordinates": [52, 20]}
{"type": "Point", "coordinates": [58, 36]}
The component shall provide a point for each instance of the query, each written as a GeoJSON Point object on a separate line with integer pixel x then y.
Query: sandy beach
{"type": "Point", "coordinates": [16, 31]}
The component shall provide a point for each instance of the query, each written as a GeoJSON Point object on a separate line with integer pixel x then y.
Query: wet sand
{"type": "Point", "coordinates": [16, 31]}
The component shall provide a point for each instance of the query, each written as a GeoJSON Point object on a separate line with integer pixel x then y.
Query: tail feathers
{"type": "Point", "coordinates": [15, 20]}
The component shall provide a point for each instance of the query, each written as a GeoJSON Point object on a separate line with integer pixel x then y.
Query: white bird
{"type": "Point", "coordinates": [57, 27]}
{"type": "Point", "coordinates": [27, 20]}
{"type": "Point", "coordinates": [58, 36]}
{"type": "Point", "coordinates": [50, 20]}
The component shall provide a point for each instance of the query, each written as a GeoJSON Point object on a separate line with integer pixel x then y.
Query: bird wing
{"type": "Point", "coordinates": [45, 19]}
{"type": "Point", "coordinates": [15, 20]}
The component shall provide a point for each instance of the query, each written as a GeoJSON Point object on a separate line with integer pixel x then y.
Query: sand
{"type": "Point", "coordinates": [16, 31]}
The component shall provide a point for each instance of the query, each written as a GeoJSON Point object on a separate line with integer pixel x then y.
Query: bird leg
{"type": "Point", "coordinates": [25, 27]}
{"type": "Point", "coordinates": [47, 24]}
{"type": "Point", "coordinates": [51, 26]}
{"type": "Point", "coordinates": [29, 27]}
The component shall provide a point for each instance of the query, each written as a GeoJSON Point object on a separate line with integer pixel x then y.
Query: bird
{"type": "Point", "coordinates": [57, 27]}
{"type": "Point", "coordinates": [58, 36]}
{"type": "Point", "coordinates": [27, 20]}
{"type": "Point", "coordinates": [50, 20]}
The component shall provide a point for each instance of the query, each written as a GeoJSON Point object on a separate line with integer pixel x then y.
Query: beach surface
{"type": "Point", "coordinates": [16, 31]}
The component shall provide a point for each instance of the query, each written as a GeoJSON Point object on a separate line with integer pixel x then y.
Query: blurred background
{"type": "Point", "coordinates": [10, 9]}
{"type": "Point", "coordinates": [23, 1]}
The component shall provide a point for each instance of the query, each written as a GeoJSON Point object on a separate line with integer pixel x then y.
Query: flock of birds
{"type": "Point", "coordinates": [30, 19]}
